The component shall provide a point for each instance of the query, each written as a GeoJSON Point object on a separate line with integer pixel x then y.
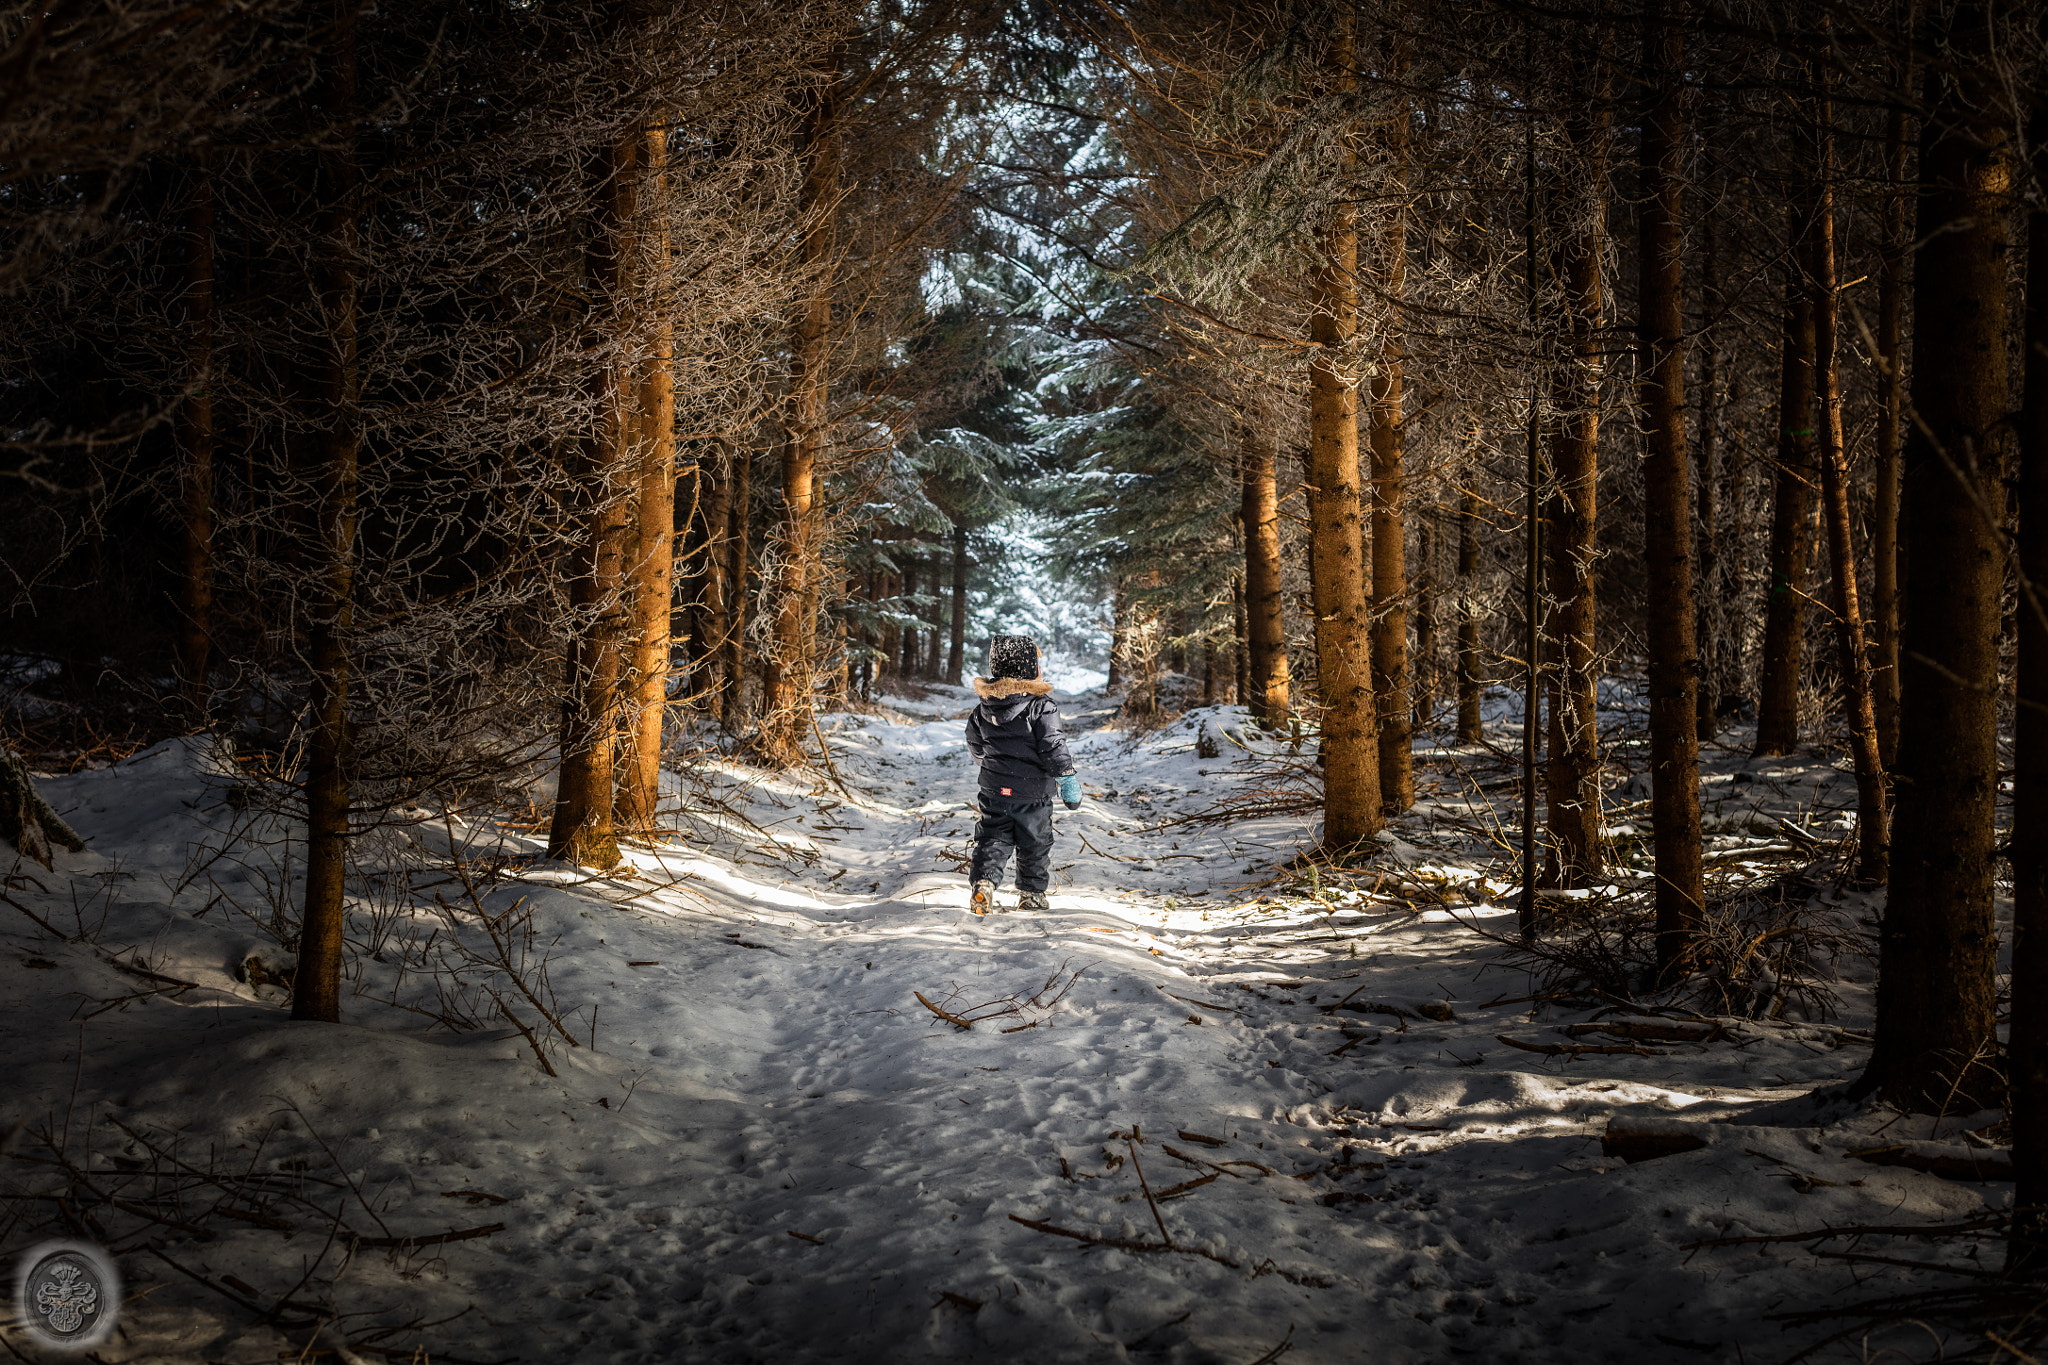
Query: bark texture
{"type": "Point", "coordinates": [582, 830]}
{"type": "Point", "coordinates": [1573, 776]}
{"type": "Point", "coordinates": [1858, 713]}
{"type": "Point", "coordinates": [653, 566]}
{"type": "Point", "coordinates": [1935, 1010]}
{"type": "Point", "coordinates": [1777, 709]}
{"type": "Point", "coordinates": [1389, 474]}
{"type": "Point", "coordinates": [1266, 630]}
{"type": "Point", "coordinates": [1667, 510]}
{"type": "Point", "coordinates": [786, 703]}
{"type": "Point", "coordinates": [1350, 758]}
{"type": "Point", "coordinates": [316, 993]}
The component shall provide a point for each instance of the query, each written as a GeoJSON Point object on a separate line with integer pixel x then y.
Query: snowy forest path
{"type": "Point", "coordinates": [769, 1147]}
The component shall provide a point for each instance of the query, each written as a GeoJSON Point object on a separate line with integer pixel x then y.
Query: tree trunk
{"type": "Point", "coordinates": [1573, 779]}
{"type": "Point", "coordinates": [1351, 769]}
{"type": "Point", "coordinates": [785, 707]}
{"type": "Point", "coordinates": [316, 992]}
{"type": "Point", "coordinates": [1423, 670]}
{"type": "Point", "coordinates": [956, 654]}
{"type": "Point", "coordinates": [740, 462]}
{"type": "Point", "coordinates": [908, 667]}
{"type": "Point", "coordinates": [1471, 672]}
{"type": "Point", "coordinates": [1266, 683]}
{"type": "Point", "coordinates": [195, 582]}
{"type": "Point", "coordinates": [2028, 1082]}
{"type": "Point", "coordinates": [1240, 653]}
{"type": "Point", "coordinates": [654, 555]}
{"type": "Point", "coordinates": [1117, 626]}
{"type": "Point", "coordinates": [888, 648]}
{"type": "Point", "coordinates": [1389, 475]}
{"type": "Point", "coordinates": [1713, 615]}
{"type": "Point", "coordinates": [1667, 510]}
{"type": "Point", "coordinates": [1891, 355]}
{"type": "Point", "coordinates": [711, 677]}
{"type": "Point", "coordinates": [1777, 710]}
{"type": "Point", "coordinates": [1872, 836]}
{"type": "Point", "coordinates": [1936, 1043]}
{"type": "Point", "coordinates": [582, 830]}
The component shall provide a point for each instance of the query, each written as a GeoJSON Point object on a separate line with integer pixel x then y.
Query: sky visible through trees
{"type": "Point", "coordinates": [1572, 474]}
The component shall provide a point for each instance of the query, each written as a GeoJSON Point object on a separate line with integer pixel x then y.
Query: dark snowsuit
{"type": "Point", "coordinates": [1015, 736]}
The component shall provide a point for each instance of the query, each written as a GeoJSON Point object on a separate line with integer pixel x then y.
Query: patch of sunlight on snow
{"type": "Point", "coordinates": [1072, 678]}
{"type": "Point", "coordinates": [1465, 912]}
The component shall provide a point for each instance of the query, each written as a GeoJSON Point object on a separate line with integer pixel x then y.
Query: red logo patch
{"type": "Point", "coordinates": [1006, 791]}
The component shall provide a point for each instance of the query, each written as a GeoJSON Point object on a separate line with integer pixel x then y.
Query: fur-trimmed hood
{"type": "Point", "coordinates": [995, 689]}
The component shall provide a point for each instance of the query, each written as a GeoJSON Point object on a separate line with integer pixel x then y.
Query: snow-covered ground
{"type": "Point", "coordinates": [765, 1146]}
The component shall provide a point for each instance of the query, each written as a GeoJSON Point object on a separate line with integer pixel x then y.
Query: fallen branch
{"type": "Point", "coordinates": [1174, 1192]}
{"type": "Point", "coordinates": [1910, 1265]}
{"type": "Point", "coordinates": [1574, 1051]}
{"type": "Point", "coordinates": [1119, 1243]}
{"type": "Point", "coordinates": [1286, 1345]}
{"type": "Point", "coordinates": [1648, 1032]}
{"type": "Point", "coordinates": [1146, 1186]}
{"type": "Point", "coordinates": [955, 1020]}
{"type": "Point", "coordinates": [1942, 1159]}
{"type": "Point", "coordinates": [429, 1239]}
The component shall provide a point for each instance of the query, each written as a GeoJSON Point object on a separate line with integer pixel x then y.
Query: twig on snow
{"type": "Point", "coordinates": [1120, 1243]}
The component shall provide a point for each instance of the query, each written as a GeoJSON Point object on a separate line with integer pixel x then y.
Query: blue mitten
{"type": "Point", "coordinates": [1070, 791]}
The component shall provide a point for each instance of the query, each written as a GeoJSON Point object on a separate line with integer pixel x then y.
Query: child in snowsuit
{"type": "Point", "coordinates": [1015, 737]}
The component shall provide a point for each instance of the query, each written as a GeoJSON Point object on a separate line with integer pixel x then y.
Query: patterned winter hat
{"type": "Point", "coordinates": [1012, 656]}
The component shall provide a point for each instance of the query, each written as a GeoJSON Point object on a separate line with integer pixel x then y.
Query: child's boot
{"type": "Point", "coordinates": [1033, 900]}
{"type": "Point", "coordinates": [984, 899]}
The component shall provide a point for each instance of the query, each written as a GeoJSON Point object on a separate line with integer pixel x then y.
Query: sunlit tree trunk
{"type": "Point", "coordinates": [337, 420]}
{"type": "Point", "coordinates": [1266, 687]}
{"type": "Point", "coordinates": [194, 634]}
{"type": "Point", "coordinates": [1936, 1040]}
{"type": "Point", "coordinates": [582, 830]}
{"type": "Point", "coordinates": [1389, 475]}
{"type": "Point", "coordinates": [1667, 508]}
{"type": "Point", "coordinates": [1350, 759]}
{"type": "Point", "coordinates": [1777, 710]}
{"type": "Point", "coordinates": [1573, 778]}
{"type": "Point", "coordinates": [1872, 837]}
{"type": "Point", "coordinates": [786, 703]}
{"type": "Point", "coordinates": [653, 565]}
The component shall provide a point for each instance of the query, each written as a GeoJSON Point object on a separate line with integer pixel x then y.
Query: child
{"type": "Point", "coordinates": [1015, 735]}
